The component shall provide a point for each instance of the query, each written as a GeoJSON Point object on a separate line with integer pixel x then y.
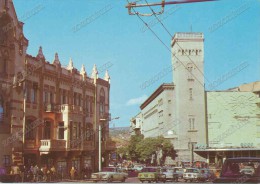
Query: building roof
{"type": "Point", "coordinates": [247, 87]}
{"type": "Point", "coordinates": [158, 91]}
{"type": "Point", "coordinates": [251, 87]}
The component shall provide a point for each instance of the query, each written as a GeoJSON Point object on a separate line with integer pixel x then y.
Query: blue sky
{"type": "Point", "coordinates": [107, 34]}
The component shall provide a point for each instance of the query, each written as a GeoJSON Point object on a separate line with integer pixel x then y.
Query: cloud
{"type": "Point", "coordinates": [136, 101]}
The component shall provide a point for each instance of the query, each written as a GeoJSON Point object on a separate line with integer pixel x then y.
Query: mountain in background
{"type": "Point", "coordinates": [120, 135]}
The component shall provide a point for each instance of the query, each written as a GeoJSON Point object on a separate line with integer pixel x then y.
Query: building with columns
{"type": "Point", "coordinates": [49, 114]}
{"type": "Point", "coordinates": [204, 125]}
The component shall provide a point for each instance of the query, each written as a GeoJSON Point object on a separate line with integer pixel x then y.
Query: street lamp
{"type": "Point", "coordinates": [99, 142]}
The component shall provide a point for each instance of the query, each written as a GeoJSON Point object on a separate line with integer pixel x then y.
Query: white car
{"type": "Point", "coordinates": [193, 174]}
{"type": "Point", "coordinates": [109, 174]}
{"type": "Point", "coordinates": [138, 167]}
{"type": "Point", "coordinates": [170, 174]}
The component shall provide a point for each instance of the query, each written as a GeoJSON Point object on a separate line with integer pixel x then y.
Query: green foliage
{"type": "Point", "coordinates": [141, 149]}
{"type": "Point", "coordinates": [134, 140]}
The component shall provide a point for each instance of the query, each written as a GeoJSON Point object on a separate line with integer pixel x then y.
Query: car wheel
{"type": "Point", "coordinates": [123, 180]}
{"type": "Point", "coordinates": [109, 180]}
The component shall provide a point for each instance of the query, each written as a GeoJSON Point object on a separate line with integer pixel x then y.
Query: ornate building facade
{"type": "Point", "coordinates": [49, 114]}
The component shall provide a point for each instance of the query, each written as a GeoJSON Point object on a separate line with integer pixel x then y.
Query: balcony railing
{"type": "Point", "coordinates": [53, 145]}
{"type": "Point", "coordinates": [50, 108]}
{"type": "Point", "coordinates": [71, 108]}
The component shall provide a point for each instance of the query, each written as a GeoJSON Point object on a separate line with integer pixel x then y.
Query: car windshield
{"type": "Point", "coordinates": [192, 171]}
{"type": "Point", "coordinates": [233, 168]}
{"type": "Point", "coordinates": [149, 169]}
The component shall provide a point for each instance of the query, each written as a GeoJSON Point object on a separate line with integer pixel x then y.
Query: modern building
{"type": "Point", "coordinates": [233, 118]}
{"type": "Point", "coordinates": [49, 114]}
{"type": "Point", "coordinates": [204, 125]}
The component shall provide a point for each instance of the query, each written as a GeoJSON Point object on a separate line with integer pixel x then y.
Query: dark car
{"type": "Point", "coordinates": [240, 170]}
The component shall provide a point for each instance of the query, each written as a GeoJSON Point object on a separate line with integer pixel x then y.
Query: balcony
{"type": "Point", "coordinates": [50, 108]}
{"type": "Point", "coordinates": [71, 108]}
{"type": "Point", "coordinates": [53, 145]}
{"type": "Point", "coordinates": [89, 146]}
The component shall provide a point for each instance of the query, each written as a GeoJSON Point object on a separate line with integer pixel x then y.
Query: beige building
{"type": "Point", "coordinates": [49, 114]}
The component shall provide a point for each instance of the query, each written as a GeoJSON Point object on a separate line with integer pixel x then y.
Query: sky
{"type": "Point", "coordinates": [102, 32]}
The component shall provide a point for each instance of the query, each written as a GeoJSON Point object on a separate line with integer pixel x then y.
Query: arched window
{"type": "Point", "coordinates": [1, 109]}
{"type": "Point", "coordinates": [102, 103]}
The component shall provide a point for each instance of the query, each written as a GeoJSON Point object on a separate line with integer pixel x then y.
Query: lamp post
{"type": "Point", "coordinates": [99, 141]}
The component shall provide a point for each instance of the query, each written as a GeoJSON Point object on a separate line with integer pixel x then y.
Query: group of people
{"type": "Point", "coordinates": [33, 173]}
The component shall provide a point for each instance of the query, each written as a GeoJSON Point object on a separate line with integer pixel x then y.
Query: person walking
{"type": "Point", "coordinates": [72, 173]}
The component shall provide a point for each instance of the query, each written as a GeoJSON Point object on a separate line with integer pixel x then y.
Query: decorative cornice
{"type": "Point", "coordinates": [158, 91]}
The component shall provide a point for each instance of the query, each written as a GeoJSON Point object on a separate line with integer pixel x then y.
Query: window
{"type": "Point", "coordinates": [190, 71]}
{"type": "Point", "coordinates": [102, 103]}
{"type": "Point", "coordinates": [190, 91]}
{"type": "Point", "coordinates": [79, 100]}
{"type": "Point", "coordinates": [29, 130]}
{"type": "Point", "coordinates": [161, 113]}
{"type": "Point", "coordinates": [51, 97]}
{"type": "Point", "coordinates": [6, 160]}
{"type": "Point", "coordinates": [87, 106]}
{"type": "Point", "coordinates": [1, 109]}
{"type": "Point", "coordinates": [74, 131]}
{"type": "Point", "coordinates": [64, 99]}
{"type": "Point", "coordinates": [75, 99]}
{"type": "Point", "coordinates": [28, 93]}
{"type": "Point", "coordinates": [34, 95]}
{"type": "Point", "coordinates": [46, 94]}
{"type": "Point", "coordinates": [61, 130]}
{"type": "Point", "coordinates": [89, 132]}
{"type": "Point", "coordinates": [192, 123]}
{"type": "Point", "coordinates": [160, 102]}
{"type": "Point", "coordinates": [47, 130]}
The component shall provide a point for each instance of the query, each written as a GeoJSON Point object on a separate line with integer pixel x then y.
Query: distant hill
{"type": "Point", "coordinates": [120, 135]}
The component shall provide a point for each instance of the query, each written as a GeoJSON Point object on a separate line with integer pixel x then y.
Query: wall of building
{"type": "Point", "coordinates": [158, 115]}
{"type": "Point", "coordinates": [233, 119]}
{"type": "Point", "coordinates": [188, 76]}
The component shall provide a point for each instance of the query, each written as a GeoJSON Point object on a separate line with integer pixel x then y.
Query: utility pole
{"type": "Point", "coordinates": [99, 141]}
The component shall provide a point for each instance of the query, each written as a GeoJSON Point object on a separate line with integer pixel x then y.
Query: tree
{"type": "Point", "coordinates": [132, 153]}
{"type": "Point", "coordinates": [149, 146]}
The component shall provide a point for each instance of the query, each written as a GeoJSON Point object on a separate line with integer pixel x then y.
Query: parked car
{"type": "Point", "coordinates": [109, 174]}
{"type": "Point", "coordinates": [151, 174]}
{"type": "Point", "coordinates": [207, 175]}
{"type": "Point", "coordinates": [193, 174]}
{"type": "Point", "coordinates": [138, 167]}
{"type": "Point", "coordinates": [179, 171]}
{"type": "Point", "coordinates": [170, 174]}
{"type": "Point", "coordinates": [240, 170]}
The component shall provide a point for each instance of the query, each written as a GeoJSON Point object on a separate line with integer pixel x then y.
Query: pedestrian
{"type": "Point", "coordinates": [53, 173]}
{"type": "Point", "coordinates": [72, 173]}
{"type": "Point", "coordinates": [35, 173]}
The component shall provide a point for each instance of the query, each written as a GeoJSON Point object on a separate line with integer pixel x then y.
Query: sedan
{"type": "Point", "coordinates": [109, 175]}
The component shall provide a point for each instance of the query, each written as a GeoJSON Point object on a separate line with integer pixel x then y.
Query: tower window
{"type": "Point", "coordinates": [192, 123]}
{"type": "Point", "coordinates": [191, 93]}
